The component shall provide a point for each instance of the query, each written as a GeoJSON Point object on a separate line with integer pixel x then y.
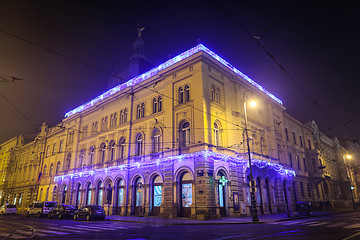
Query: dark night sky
{"type": "Point", "coordinates": [64, 50]}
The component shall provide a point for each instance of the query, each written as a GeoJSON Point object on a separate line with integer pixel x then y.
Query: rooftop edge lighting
{"type": "Point", "coordinates": [138, 79]}
{"type": "Point", "coordinates": [207, 154]}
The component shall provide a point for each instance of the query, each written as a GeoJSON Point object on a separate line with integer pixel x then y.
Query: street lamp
{"type": "Point", "coordinates": [253, 209]}
{"type": "Point", "coordinates": [348, 178]}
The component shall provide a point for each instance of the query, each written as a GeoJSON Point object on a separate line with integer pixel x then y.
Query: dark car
{"type": "Point", "coordinates": [90, 212]}
{"type": "Point", "coordinates": [304, 208]}
{"type": "Point", "coordinates": [62, 211]}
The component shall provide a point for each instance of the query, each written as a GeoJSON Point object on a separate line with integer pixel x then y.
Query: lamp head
{"type": "Point", "coordinates": [252, 104]}
{"type": "Point", "coordinates": [348, 156]}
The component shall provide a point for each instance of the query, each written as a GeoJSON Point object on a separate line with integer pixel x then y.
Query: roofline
{"type": "Point", "coordinates": [138, 79]}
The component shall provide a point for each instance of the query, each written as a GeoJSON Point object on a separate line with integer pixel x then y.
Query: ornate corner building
{"type": "Point", "coordinates": [175, 141]}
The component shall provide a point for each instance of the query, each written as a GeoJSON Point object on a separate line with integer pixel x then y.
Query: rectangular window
{"type": "Point", "coordinates": [314, 164]}
{"type": "Point", "coordinates": [54, 149]}
{"type": "Point", "coordinates": [120, 196]}
{"type": "Point", "coordinates": [302, 189]}
{"type": "Point", "coordinates": [301, 142]}
{"type": "Point", "coordinates": [61, 145]}
{"type": "Point", "coordinates": [186, 191]}
{"type": "Point", "coordinates": [304, 161]}
{"type": "Point", "coordinates": [309, 142]}
{"type": "Point", "coordinates": [294, 137]}
{"type": "Point", "coordinates": [290, 158]}
{"type": "Point", "coordinates": [298, 161]}
{"type": "Point", "coordinates": [286, 134]}
{"type": "Point", "coordinates": [47, 151]}
{"type": "Point", "coordinates": [157, 196]}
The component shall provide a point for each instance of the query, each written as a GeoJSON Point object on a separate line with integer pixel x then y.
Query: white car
{"type": "Point", "coordinates": [40, 208]}
{"type": "Point", "coordinates": [8, 209]}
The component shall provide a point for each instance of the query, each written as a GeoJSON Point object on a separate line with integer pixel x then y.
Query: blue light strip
{"type": "Point", "coordinates": [207, 154]}
{"type": "Point", "coordinates": [136, 80]}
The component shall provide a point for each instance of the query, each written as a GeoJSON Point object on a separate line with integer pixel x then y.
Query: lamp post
{"type": "Point", "coordinates": [348, 178]}
{"type": "Point", "coordinates": [253, 209]}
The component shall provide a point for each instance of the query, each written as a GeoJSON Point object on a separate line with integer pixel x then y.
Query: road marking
{"type": "Point", "coordinates": [336, 224]}
{"type": "Point", "coordinates": [353, 226]}
{"type": "Point", "coordinates": [50, 232]}
{"type": "Point", "coordinates": [66, 229]}
{"type": "Point", "coordinates": [349, 237]}
{"type": "Point", "coordinates": [317, 224]}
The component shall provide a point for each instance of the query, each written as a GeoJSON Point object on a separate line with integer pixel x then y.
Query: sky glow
{"type": "Point", "coordinates": [138, 79]}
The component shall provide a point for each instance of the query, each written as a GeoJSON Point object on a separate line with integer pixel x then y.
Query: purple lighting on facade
{"type": "Point", "coordinates": [136, 80]}
{"type": "Point", "coordinates": [170, 160]}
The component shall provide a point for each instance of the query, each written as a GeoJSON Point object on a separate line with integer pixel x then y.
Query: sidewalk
{"type": "Point", "coordinates": [270, 218]}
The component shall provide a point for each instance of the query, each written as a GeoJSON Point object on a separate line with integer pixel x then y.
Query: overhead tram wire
{"type": "Point", "coordinates": [108, 73]}
{"type": "Point", "coordinates": [259, 43]}
{"type": "Point", "coordinates": [17, 110]}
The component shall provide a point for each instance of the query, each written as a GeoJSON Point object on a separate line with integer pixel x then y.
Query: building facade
{"type": "Point", "coordinates": [174, 141]}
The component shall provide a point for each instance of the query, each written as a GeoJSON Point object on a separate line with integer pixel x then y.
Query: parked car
{"type": "Point", "coordinates": [8, 209]}
{"type": "Point", "coordinates": [40, 209]}
{"type": "Point", "coordinates": [90, 212]}
{"type": "Point", "coordinates": [62, 211]}
{"type": "Point", "coordinates": [304, 208]}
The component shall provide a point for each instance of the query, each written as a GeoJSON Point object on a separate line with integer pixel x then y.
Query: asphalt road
{"type": "Point", "coordinates": [340, 226]}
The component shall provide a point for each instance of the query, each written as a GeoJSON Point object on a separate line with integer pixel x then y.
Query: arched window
{"type": "Point", "coordinates": [51, 170]}
{"type": "Point", "coordinates": [113, 119]}
{"type": "Point", "coordinates": [160, 104]}
{"type": "Point", "coordinates": [184, 134]}
{"type": "Point", "coordinates": [139, 145]}
{"type": "Point", "coordinates": [68, 161]}
{"type": "Point", "coordinates": [212, 93]}
{"type": "Point", "coordinates": [77, 195]}
{"type": "Point", "coordinates": [143, 110]}
{"type": "Point", "coordinates": [102, 152]}
{"type": "Point", "coordinates": [88, 194]}
{"type": "Point", "coordinates": [125, 115]}
{"type": "Point", "coordinates": [217, 95]}
{"type": "Point", "coordinates": [157, 141]}
{"type": "Point", "coordinates": [187, 93]}
{"type": "Point", "coordinates": [155, 105]}
{"type": "Point", "coordinates": [57, 168]}
{"type": "Point", "coordinates": [64, 194]}
{"type": "Point", "coordinates": [99, 194]}
{"type": "Point", "coordinates": [122, 148]}
{"type": "Point", "coordinates": [81, 157]}
{"type": "Point", "coordinates": [121, 116]}
{"type": "Point", "coordinates": [112, 150]}
{"type": "Point", "coordinates": [138, 111]}
{"type": "Point", "coordinates": [47, 194]}
{"type": "Point", "coordinates": [216, 134]}
{"type": "Point", "coordinates": [91, 157]}
{"type": "Point", "coordinates": [40, 195]}
{"type": "Point", "coordinates": [54, 194]}
{"type": "Point", "coordinates": [120, 193]}
{"type": "Point", "coordinates": [181, 95]}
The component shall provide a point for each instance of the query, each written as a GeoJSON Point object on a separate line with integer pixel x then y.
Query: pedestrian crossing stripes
{"type": "Point", "coordinates": [328, 224]}
{"type": "Point", "coordinates": [53, 230]}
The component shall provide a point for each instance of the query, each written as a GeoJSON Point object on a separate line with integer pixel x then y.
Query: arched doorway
{"type": "Point", "coordinates": [156, 193]}
{"type": "Point", "coordinates": [88, 194]}
{"type": "Point", "coordinates": [99, 193]}
{"type": "Point", "coordinates": [268, 195]}
{"type": "Point", "coordinates": [185, 195]}
{"type": "Point", "coordinates": [138, 195]}
{"type": "Point", "coordinates": [259, 199]}
{"type": "Point", "coordinates": [120, 188]}
{"type": "Point", "coordinates": [77, 195]}
{"type": "Point", "coordinates": [285, 194]}
{"type": "Point", "coordinates": [221, 192]}
{"type": "Point", "coordinates": [64, 194]}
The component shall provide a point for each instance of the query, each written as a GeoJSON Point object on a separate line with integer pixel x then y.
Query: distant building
{"type": "Point", "coordinates": [172, 142]}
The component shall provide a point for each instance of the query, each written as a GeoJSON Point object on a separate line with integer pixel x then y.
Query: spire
{"type": "Point", "coordinates": [138, 46]}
